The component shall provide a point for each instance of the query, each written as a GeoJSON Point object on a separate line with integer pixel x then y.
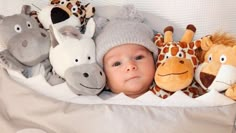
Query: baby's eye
{"type": "Point", "coordinates": [116, 64]}
{"type": "Point", "coordinates": [139, 57]}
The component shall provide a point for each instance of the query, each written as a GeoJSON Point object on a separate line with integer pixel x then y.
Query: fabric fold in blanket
{"type": "Point", "coordinates": [23, 110]}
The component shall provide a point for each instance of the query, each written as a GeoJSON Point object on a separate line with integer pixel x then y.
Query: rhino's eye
{"type": "Point", "coordinates": [17, 28]}
{"type": "Point", "coordinates": [29, 25]}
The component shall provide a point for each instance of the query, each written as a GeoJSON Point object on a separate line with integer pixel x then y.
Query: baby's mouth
{"type": "Point", "coordinates": [131, 78]}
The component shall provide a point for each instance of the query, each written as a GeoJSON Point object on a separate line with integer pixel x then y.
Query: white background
{"type": "Point", "coordinates": [207, 15]}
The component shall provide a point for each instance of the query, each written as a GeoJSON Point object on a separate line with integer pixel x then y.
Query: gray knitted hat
{"type": "Point", "coordinates": [126, 27]}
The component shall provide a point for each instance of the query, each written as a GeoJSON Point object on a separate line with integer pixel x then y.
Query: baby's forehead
{"type": "Point", "coordinates": [128, 48]}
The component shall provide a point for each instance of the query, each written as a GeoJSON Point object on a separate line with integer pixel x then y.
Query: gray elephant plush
{"type": "Point", "coordinates": [25, 44]}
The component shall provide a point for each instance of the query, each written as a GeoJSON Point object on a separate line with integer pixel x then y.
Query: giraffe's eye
{"type": "Point", "coordinates": [180, 54]}
{"type": "Point", "coordinates": [167, 56]}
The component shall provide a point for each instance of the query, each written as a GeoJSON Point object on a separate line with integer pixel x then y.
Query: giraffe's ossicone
{"type": "Point", "coordinates": [176, 64]}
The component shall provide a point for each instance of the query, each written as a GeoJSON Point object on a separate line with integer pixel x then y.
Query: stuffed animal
{"type": "Point", "coordinates": [25, 44]}
{"type": "Point", "coordinates": [176, 64]}
{"type": "Point", "coordinates": [218, 70]}
{"type": "Point", "coordinates": [66, 12]}
{"type": "Point", "coordinates": [72, 56]}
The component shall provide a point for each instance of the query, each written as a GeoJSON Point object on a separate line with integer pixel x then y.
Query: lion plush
{"type": "Point", "coordinates": [176, 64]}
{"type": "Point", "coordinates": [218, 70]}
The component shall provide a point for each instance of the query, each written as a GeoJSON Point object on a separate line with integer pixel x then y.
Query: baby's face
{"type": "Point", "coordinates": [129, 69]}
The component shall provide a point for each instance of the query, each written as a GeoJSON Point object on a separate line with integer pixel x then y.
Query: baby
{"type": "Point", "coordinates": [125, 50]}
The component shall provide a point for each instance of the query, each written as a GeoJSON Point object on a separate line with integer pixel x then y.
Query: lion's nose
{"type": "Point", "coordinates": [206, 79]}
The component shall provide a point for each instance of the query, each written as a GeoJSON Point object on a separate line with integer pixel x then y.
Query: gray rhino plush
{"type": "Point", "coordinates": [26, 45]}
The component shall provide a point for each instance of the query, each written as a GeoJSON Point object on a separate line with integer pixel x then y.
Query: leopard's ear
{"type": "Point", "coordinates": [158, 40]}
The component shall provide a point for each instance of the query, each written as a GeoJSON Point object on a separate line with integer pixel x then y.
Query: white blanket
{"type": "Point", "coordinates": [32, 106]}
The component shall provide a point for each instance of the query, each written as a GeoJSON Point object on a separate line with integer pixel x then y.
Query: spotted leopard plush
{"type": "Point", "coordinates": [82, 12]}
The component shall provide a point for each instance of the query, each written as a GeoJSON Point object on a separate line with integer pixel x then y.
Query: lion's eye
{"type": "Point", "coordinates": [210, 58]}
{"type": "Point", "coordinates": [223, 58]}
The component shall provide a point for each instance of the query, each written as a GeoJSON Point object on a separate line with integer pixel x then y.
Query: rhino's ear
{"type": "Point", "coordinates": [1, 18]}
{"type": "Point", "coordinates": [26, 9]}
{"type": "Point", "coordinates": [55, 36]}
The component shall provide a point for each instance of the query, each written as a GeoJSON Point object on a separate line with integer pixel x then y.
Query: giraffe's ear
{"type": "Point", "coordinates": [206, 43]}
{"type": "Point", "coordinates": [168, 31]}
{"type": "Point", "coordinates": [188, 34]}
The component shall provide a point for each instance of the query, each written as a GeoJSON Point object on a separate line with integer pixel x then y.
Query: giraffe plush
{"type": "Point", "coordinates": [176, 64]}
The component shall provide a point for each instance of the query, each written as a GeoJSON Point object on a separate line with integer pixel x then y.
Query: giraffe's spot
{"type": "Point", "coordinates": [194, 60]}
{"type": "Point", "coordinates": [183, 44]}
{"type": "Point", "coordinates": [166, 50]}
{"type": "Point", "coordinates": [174, 51]}
{"type": "Point", "coordinates": [190, 51]}
{"type": "Point", "coordinates": [161, 57]}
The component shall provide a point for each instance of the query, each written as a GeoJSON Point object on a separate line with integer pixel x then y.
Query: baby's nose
{"type": "Point", "coordinates": [131, 67]}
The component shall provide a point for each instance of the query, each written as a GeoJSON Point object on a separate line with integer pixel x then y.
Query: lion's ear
{"type": "Point", "coordinates": [206, 43]}
{"type": "Point", "coordinates": [234, 48]}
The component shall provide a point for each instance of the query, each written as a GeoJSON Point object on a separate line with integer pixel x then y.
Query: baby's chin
{"type": "Point", "coordinates": [135, 90]}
